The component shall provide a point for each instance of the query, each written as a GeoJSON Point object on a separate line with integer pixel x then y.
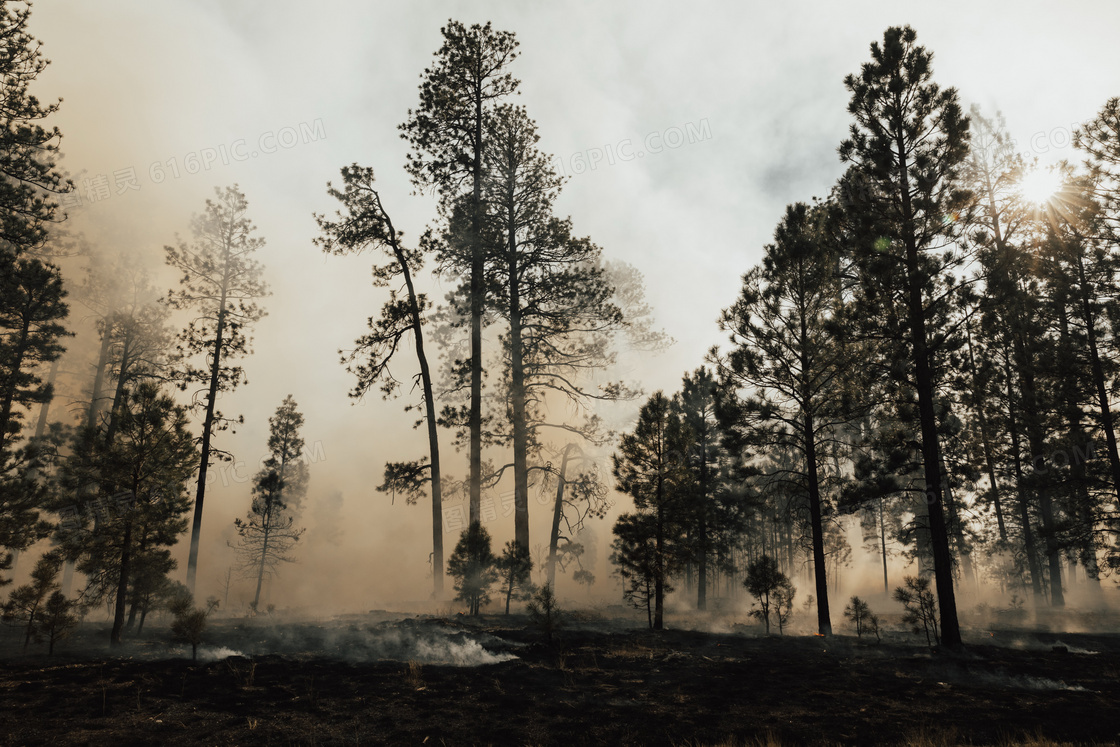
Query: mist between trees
{"type": "Point", "coordinates": [118, 183]}
{"type": "Point", "coordinates": [924, 357]}
{"type": "Point", "coordinates": [625, 150]}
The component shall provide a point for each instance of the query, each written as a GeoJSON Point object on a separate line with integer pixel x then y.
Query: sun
{"type": "Point", "coordinates": [1040, 185]}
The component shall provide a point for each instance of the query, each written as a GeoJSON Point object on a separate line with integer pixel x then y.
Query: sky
{"type": "Point", "coordinates": [685, 133]}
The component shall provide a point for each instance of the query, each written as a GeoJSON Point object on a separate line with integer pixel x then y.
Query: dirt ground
{"type": "Point", "coordinates": [377, 678]}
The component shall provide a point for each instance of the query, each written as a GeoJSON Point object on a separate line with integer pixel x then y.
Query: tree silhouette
{"type": "Point", "coordinates": [366, 225]}
{"type": "Point", "coordinates": [909, 139]}
{"type": "Point", "coordinates": [221, 282]}
{"type": "Point", "coordinates": [446, 137]}
{"type": "Point", "coordinates": [268, 534]}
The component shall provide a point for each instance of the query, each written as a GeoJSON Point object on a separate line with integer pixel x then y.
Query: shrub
{"type": "Point", "coordinates": [544, 612]}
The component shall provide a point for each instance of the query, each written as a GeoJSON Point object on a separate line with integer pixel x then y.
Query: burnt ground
{"type": "Point", "coordinates": [349, 681]}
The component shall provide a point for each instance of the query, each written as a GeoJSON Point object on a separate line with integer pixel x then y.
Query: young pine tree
{"type": "Point", "coordinates": [268, 534]}
{"type": "Point", "coordinates": [514, 566]}
{"type": "Point", "coordinates": [651, 466]}
{"type": "Point", "coordinates": [138, 499]}
{"type": "Point", "coordinates": [472, 565]}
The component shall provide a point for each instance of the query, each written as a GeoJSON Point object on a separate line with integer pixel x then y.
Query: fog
{"type": "Point", "coordinates": [151, 86]}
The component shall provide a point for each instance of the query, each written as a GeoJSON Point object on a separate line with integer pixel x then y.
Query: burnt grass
{"type": "Point", "coordinates": [601, 682]}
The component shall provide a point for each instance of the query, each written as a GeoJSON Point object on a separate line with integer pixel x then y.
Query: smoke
{"type": "Point", "coordinates": [142, 100]}
{"type": "Point", "coordinates": [208, 654]}
{"type": "Point", "coordinates": [1020, 682]}
{"type": "Point", "coordinates": [326, 515]}
{"type": "Point", "coordinates": [427, 641]}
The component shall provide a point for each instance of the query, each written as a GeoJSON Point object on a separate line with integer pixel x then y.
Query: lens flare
{"type": "Point", "coordinates": [1039, 186]}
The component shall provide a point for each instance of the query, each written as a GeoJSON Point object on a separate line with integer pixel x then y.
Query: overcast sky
{"type": "Point", "coordinates": [155, 88]}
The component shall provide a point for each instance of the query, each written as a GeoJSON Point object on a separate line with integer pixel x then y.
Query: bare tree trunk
{"type": "Point", "coordinates": [1024, 510]}
{"type": "Point", "coordinates": [659, 573]}
{"type": "Point", "coordinates": [429, 408]}
{"type": "Point", "coordinates": [122, 585]}
{"type": "Point", "coordinates": [985, 439]}
{"type": "Point", "coordinates": [517, 386]}
{"type": "Point", "coordinates": [1098, 375]}
{"type": "Point", "coordinates": [41, 423]}
{"type": "Point", "coordinates": [99, 376]}
{"type": "Point", "coordinates": [266, 526]}
{"type": "Point", "coordinates": [557, 514]}
{"type": "Point", "coordinates": [207, 428]}
{"type": "Point", "coordinates": [883, 546]}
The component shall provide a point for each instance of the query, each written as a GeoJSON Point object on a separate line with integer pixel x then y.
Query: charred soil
{"type": "Point", "coordinates": [360, 680]}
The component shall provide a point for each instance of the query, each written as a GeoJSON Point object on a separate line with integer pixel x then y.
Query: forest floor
{"type": "Point", "coordinates": [381, 678]}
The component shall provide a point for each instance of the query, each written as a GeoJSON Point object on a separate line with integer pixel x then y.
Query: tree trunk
{"type": "Point", "coordinates": [985, 438]}
{"type": "Point", "coordinates": [557, 514]}
{"type": "Point", "coordinates": [266, 526]}
{"type": "Point", "coordinates": [429, 413]}
{"type": "Point", "coordinates": [1020, 486]}
{"type": "Point", "coordinates": [477, 307]}
{"type": "Point", "coordinates": [517, 386]}
{"type": "Point", "coordinates": [809, 440]}
{"type": "Point", "coordinates": [956, 529]}
{"type": "Point", "coordinates": [931, 453]}
{"type": "Point", "coordinates": [702, 548]}
{"type": "Point", "coordinates": [1098, 374]}
{"type": "Point", "coordinates": [883, 546]}
{"type": "Point", "coordinates": [207, 427]}
{"type": "Point", "coordinates": [99, 376]}
{"type": "Point", "coordinates": [122, 585]}
{"type": "Point", "coordinates": [41, 423]}
{"type": "Point", "coordinates": [824, 623]}
{"type": "Point", "coordinates": [659, 566]}
{"type": "Point", "coordinates": [1037, 444]}
{"type": "Point", "coordinates": [1082, 502]}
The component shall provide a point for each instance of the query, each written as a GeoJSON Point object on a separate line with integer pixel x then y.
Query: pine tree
{"type": "Point", "coordinates": [136, 502]}
{"type": "Point", "coordinates": [514, 567]}
{"type": "Point", "coordinates": [635, 558]}
{"type": "Point", "coordinates": [472, 565]}
{"type": "Point", "coordinates": [55, 621]}
{"type": "Point", "coordinates": [773, 590]}
{"type": "Point", "coordinates": [366, 225]}
{"type": "Point", "coordinates": [909, 139]}
{"type": "Point", "coordinates": [25, 604]}
{"type": "Point", "coordinates": [32, 308]}
{"type": "Point", "coordinates": [787, 373]}
{"type": "Point", "coordinates": [268, 534]}
{"type": "Point", "coordinates": [446, 136]}
{"type": "Point", "coordinates": [29, 178]}
{"type": "Point", "coordinates": [651, 466]}
{"type": "Point", "coordinates": [552, 292]}
{"type": "Point", "coordinates": [221, 282]}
